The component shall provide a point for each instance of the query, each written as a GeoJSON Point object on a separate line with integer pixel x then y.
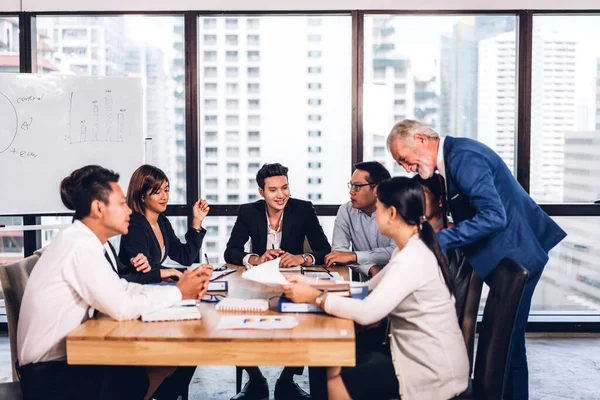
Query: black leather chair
{"type": "Point", "coordinates": [471, 310]}
{"type": "Point", "coordinates": [11, 391]}
{"type": "Point", "coordinates": [506, 283]}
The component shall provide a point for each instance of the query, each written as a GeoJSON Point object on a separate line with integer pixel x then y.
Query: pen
{"type": "Point", "coordinates": [273, 246]}
{"type": "Point", "coordinates": [328, 271]}
{"type": "Point", "coordinates": [206, 258]}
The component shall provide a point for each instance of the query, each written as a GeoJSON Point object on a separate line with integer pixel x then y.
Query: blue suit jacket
{"type": "Point", "coordinates": [494, 217]}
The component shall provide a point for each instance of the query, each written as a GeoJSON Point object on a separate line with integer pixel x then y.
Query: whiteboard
{"type": "Point", "coordinates": [51, 125]}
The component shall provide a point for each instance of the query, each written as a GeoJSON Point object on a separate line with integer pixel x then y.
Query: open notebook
{"type": "Point", "coordinates": [175, 313]}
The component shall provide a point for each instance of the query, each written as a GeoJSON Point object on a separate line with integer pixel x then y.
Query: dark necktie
{"type": "Point", "coordinates": [444, 198]}
{"type": "Point", "coordinates": [110, 261]}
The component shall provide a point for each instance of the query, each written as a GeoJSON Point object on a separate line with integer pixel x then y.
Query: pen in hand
{"type": "Point", "coordinates": [273, 246]}
{"type": "Point", "coordinates": [206, 259]}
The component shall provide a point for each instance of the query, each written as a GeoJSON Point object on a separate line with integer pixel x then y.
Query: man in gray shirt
{"type": "Point", "coordinates": [356, 238]}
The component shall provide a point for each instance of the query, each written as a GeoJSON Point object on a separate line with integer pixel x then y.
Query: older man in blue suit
{"type": "Point", "coordinates": [494, 217]}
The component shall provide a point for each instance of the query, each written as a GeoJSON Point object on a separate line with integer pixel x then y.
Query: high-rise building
{"type": "Point", "coordinates": [269, 91]}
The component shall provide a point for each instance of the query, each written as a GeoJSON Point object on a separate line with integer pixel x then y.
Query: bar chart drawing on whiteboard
{"type": "Point", "coordinates": [88, 126]}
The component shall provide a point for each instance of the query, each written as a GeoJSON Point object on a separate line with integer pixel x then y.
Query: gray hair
{"type": "Point", "coordinates": [407, 129]}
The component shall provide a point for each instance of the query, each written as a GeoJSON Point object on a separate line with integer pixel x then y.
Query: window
{"type": "Point", "coordinates": [253, 104]}
{"type": "Point", "coordinates": [314, 165]}
{"type": "Point", "coordinates": [266, 104]}
{"type": "Point", "coordinates": [210, 39]}
{"type": "Point", "coordinates": [231, 23]}
{"type": "Point", "coordinates": [108, 45]}
{"type": "Point", "coordinates": [210, 136]}
{"type": "Point", "coordinates": [233, 135]}
{"type": "Point", "coordinates": [212, 183]}
{"type": "Point", "coordinates": [233, 151]}
{"type": "Point", "coordinates": [233, 198]}
{"type": "Point", "coordinates": [211, 168]}
{"type": "Point", "coordinates": [210, 119]}
{"type": "Point", "coordinates": [212, 198]}
{"type": "Point", "coordinates": [231, 72]}
{"type": "Point", "coordinates": [252, 183]}
{"type": "Point", "coordinates": [253, 136]}
{"type": "Point", "coordinates": [210, 72]}
{"type": "Point", "coordinates": [210, 87]}
{"type": "Point", "coordinates": [314, 196]}
{"type": "Point", "coordinates": [232, 104]}
{"type": "Point", "coordinates": [232, 120]}
{"type": "Point", "coordinates": [315, 22]}
{"type": "Point", "coordinates": [211, 152]}
{"type": "Point", "coordinates": [210, 103]}
{"type": "Point", "coordinates": [233, 167]}
{"type": "Point", "coordinates": [231, 40]}
{"type": "Point", "coordinates": [231, 55]}
{"type": "Point", "coordinates": [565, 110]}
{"type": "Point", "coordinates": [253, 120]}
{"type": "Point", "coordinates": [231, 88]}
{"type": "Point", "coordinates": [233, 183]}
{"type": "Point", "coordinates": [210, 56]}
{"type": "Point", "coordinates": [456, 95]}
{"type": "Point", "coordinates": [314, 181]}
{"type": "Point", "coordinates": [209, 23]}
{"type": "Point", "coordinates": [252, 197]}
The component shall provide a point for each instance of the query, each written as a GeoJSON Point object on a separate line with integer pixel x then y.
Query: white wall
{"type": "Point", "coordinates": [241, 5]}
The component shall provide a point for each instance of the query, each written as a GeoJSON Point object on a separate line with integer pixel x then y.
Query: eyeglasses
{"type": "Point", "coordinates": [356, 186]}
{"type": "Point", "coordinates": [212, 298]}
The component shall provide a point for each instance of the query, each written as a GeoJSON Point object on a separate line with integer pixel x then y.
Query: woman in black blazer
{"type": "Point", "coordinates": [151, 234]}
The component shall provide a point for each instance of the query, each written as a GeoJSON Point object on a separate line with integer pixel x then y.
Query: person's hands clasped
{"type": "Point", "coordinates": [340, 257]}
{"type": "Point", "coordinates": [140, 263]}
{"type": "Point", "coordinates": [289, 260]}
{"type": "Point", "coordinates": [267, 256]}
{"type": "Point", "coordinates": [193, 283]}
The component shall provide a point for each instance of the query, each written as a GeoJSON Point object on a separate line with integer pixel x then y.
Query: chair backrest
{"type": "Point", "coordinates": [471, 310]}
{"type": "Point", "coordinates": [14, 278]}
{"type": "Point", "coordinates": [507, 282]}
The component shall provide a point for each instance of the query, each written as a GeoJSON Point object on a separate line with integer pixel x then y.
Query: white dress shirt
{"type": "Point", "coordinates": [441, 167]}
{"type": "Point", "coordinates": [72, 277]}
{"type": "Point", "coordinates": [428, 349]}
{"type": "Point", "coordinates": [273, 240]}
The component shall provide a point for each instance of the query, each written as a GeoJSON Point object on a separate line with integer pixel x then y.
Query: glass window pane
{"type": "Point", "coordinates": [565, 110]}
{"type": "Point", "coordinates": [273, 106]}
{"type": "Point", "coordinates": [9, 44]}
{"type": "Point", "coordinates": [149, 47]}
{"type": "Point", "coordinates": [11, 242]}
{"type": "Point", "coordinates": [454, 73]}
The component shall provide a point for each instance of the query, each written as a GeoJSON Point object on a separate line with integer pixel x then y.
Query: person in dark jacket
{"type": "Point", "coordinates": [151, 234]}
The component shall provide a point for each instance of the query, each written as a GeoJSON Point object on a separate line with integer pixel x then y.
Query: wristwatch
{"type": "Point", "coordinates": [319, 299]}
{"type": "Point", "coordinates": [305, 258]}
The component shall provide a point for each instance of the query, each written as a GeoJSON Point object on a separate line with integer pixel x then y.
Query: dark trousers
{"type": "Point", "coordinates": [176, 384]}
{"type": "Point", "coordinates": [58, 380]}
{"type": "Point", "coordinates": [516, 385]}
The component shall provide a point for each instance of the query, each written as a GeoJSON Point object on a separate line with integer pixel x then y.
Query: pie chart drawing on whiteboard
{"type": "Point", "coordinates": [8, 127]}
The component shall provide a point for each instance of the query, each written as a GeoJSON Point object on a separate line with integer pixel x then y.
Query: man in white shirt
{"type": "Point", "coordinates": [357, 241]}
{"type": "Point", "coordinates": [72, 280]}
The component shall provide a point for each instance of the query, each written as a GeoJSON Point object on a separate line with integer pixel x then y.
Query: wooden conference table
{"type": "Point", "coordinates": [319, 340]}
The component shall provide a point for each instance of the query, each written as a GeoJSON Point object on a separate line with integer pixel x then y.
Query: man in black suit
{"type": "Point", "coordinates": [276, 227]}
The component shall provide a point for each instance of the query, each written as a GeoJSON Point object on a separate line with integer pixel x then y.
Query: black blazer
{"type": "Point", "coordinates": [128, 273]}
{"type": "Point", "coordinates": [299, 221]}
{"type": "Point", "coordinates": [141, 239]}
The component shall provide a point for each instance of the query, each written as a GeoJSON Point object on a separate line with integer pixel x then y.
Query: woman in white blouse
{"type": "Point", "coordinates": [427, 358]}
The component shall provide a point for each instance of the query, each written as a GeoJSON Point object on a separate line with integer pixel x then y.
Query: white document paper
{"type": "Point", "coordinates": [257, 322]}
{"type": "Point", "coordinates": [297, 268]}
{"type": "Point", "coordinates": [266, 273]}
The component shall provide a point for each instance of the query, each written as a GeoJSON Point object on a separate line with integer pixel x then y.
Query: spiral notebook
{"type": "Point", "coordinates": [252, 305]}
{"type": "Point", "coordinates": [175, 313]}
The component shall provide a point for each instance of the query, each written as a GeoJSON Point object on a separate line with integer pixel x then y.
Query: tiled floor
{"type": "Point", "coordinates": [560, 369]}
